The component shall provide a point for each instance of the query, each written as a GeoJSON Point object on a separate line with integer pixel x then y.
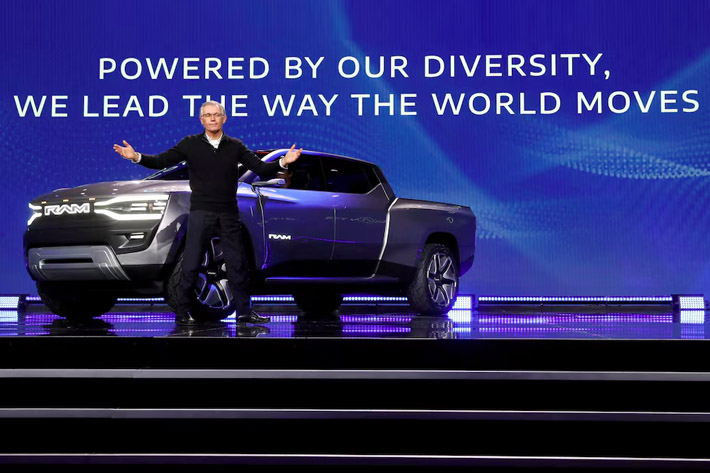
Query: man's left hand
{"type": "Point", "coordinates": [292, 155]}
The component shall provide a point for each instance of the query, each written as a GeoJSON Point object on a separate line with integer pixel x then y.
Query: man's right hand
{"type": "Point", "coordinates": [126, 151]}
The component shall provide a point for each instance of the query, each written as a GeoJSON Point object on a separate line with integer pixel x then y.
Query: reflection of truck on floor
{"type": "Point", "coordinates": [331, 226]}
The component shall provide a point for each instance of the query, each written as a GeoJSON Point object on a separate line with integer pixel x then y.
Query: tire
{"type": "Point", "coordinates": [318, 302]}
{"type": "Point", "coordinates": [70, 302]}
{"type": "Point", "coordinates": [435, 285]}
{"type": "Point", "coordinates": [212, 300]}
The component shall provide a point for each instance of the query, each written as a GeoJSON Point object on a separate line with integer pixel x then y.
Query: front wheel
{"type": "Point", "coordinates": [212, 299]}
{"type": "Point", "coordinates": [73, 303]}
{"type": "Point", "coordinates": [436, 281]}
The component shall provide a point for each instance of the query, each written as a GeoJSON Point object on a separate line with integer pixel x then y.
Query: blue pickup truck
{"type": "Point", "coordinates": [330, 225]}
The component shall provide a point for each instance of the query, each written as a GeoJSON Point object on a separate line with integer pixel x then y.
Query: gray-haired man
{"type": "Point", "coordinates": [213, 157]}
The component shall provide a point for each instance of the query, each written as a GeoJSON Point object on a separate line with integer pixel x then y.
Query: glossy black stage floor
{"type": "Point", "coordinates": [381, 320]}
{"type": "Point", "coordinates": [507, 388]}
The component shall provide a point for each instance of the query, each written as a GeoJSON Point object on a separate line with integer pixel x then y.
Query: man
{"type": "Point", "coordinates": [212, 157]}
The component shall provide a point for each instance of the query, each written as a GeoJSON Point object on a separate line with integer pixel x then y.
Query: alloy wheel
{"type": "Point", "coordinates": [212, 285]}
{"type": "Point", "coordinates": [442, 279]}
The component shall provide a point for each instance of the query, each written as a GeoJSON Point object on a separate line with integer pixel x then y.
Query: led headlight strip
{"type": "Point", "coordinates": [36, 213]}
{"type": "Point", "coordinates": [133, 207]}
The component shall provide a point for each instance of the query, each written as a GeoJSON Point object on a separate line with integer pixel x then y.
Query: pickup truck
{"type": "Point", "coordinates": [330, 225]}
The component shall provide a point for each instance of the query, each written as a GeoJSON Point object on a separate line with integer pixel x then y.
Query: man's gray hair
{"type": "Point", "coordinates": [212, 102]}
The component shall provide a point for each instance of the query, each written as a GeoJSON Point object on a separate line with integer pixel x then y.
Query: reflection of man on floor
{"type": "Point", "coordinates": [213, 157]}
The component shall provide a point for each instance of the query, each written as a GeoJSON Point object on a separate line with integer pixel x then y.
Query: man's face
{"type": "Point", "coordinates": [212, 118]}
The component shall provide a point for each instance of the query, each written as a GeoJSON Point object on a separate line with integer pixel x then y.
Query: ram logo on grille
{"type": "Point", "coordinates": [277, 236]}
{"type": "Point", "coordinates": [70, 209]}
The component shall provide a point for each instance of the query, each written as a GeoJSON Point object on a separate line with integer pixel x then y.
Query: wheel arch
{"type": "Point", "coordinates": [448, 240]}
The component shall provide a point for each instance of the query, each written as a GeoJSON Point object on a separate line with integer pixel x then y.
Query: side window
{"type": "Point", "coordinates": [371, 175]}
{"type": "Point", "coordinates": [347, 176]}
{"type": "Point", "coordinates": [304, 174]}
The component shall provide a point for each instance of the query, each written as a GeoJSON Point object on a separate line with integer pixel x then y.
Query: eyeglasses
{"type": "Point", "coordinates": [210, 115]}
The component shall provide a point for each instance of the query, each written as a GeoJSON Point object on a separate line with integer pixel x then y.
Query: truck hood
{"type": "Point", "coordinates": [112, 189]}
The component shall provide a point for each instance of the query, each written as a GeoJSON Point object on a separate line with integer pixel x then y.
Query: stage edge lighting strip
{"type": "Point", "coordinates": [466, 302]}
{"type": "Point", "coordinates": [463, 302]}
{"type": "Point", "coordinates": [689, 301]}
{"type": "Point", "coordinates": [9, 302]}
{"type": "Point", "coordinates": [140, 299]}
{"type": "Point", "coordinates": [551, 299]}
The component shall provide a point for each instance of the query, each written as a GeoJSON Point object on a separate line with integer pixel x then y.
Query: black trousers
{"type": "Point", "coordinates": [202, 226]}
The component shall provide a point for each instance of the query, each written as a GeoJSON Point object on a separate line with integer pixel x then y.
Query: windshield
{"type": "Point", "coordinates": [178, 172]}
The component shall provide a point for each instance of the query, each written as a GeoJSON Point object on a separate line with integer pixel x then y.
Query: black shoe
{"type": "Point", "coordinates": [253, 318]}
{"type": "Point", "coordinates": [185, 318]}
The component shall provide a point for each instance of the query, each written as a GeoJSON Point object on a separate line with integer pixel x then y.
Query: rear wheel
{"type": "Point", "coordinates": [212, 299]}
{"type": "Point", "coordinates": [317, 301]}
{"type": "Point", "coordinates": [436, 281]}
{"type": "Point", "coordinates": [73, 303]}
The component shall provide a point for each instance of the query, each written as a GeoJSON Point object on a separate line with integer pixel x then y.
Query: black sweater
{"type": "Point", "coordinates": [213, 171]}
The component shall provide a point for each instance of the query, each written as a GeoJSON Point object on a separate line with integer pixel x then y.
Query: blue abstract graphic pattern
{"type": "Point", "coordinates": [567, 203]}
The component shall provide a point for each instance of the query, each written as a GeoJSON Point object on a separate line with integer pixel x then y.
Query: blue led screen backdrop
{"type": "Point", "coordinates": [581, 139]}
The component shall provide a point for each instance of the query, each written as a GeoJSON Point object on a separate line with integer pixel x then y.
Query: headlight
{"type": "Point", "coordinates": [133, 207]}
{"type": "Point", "coordinates": [36, 213]}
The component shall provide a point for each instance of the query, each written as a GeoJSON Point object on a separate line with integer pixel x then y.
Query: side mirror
{"type": "Point", "coordinates": [270, 183]}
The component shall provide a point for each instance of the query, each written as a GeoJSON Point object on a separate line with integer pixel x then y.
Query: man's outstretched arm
{"type": "Point", "coordinates": [172, 156]}
{"type": "Point", "coordinates": [291, 155]}
{"type": "Point", "coordinates": [253, 163]}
